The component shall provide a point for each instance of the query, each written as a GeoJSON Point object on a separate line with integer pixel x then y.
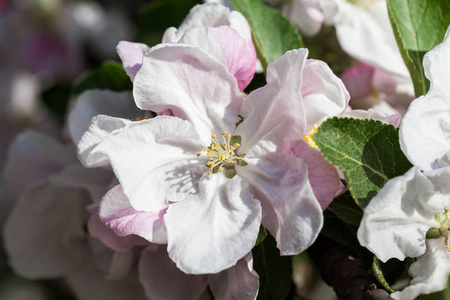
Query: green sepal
{"type": "Point", "coordinates": [433, 233]}
{"type": "Point", "coordinates": [440, 217]}
{"type": "Point", "coordinates": [230, 172]}
{"type": "Point", "coordinates": [261, 235]}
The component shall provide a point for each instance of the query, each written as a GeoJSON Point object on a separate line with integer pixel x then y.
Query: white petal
{"type": "Point", "coordinates": [372, 114]}
{"type": "Point", "coordinates": [324, 94]}
{"type": "Point", "coordinates": [195, 86]}
{"type": "Point", "coordinates": [365, 33]}
{"type": "Point", "coordinates": [397, 219]}
{"type": "Point", "coordinates": [44, 234]}
{"type": "Point", "coordinates": [430, 272]}
{"type": "Point", "coordinates": [239, 282]}
{"type": "Point", "coordinates": [154, 160]}
{"type": "Point", "coordinates": [425, 132]}
{"type": "Point", "coordinates": [306, 14]}
{"type": "Point", "coordinates": [162, 280]}
{"type": "Point", "coordinates": [100, 128]}
{"type": "Point", "coordinates": [276, 108]}
{"type": "Point", "coordinates": [291, 211]}
{"type": "Point", "coordinates": [100, 102]}
{"type": "Point", "coordinates": [436, 64]}
{"type": "Point", "coordinates": [212, 229]}
{"type": "Point", "coordinates": [33, 156]}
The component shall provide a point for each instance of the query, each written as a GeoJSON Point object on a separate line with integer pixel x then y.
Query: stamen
{"type": "Point", "coordinates": [213, 136]}
{"type": "Point", "coordinates": [224, 133]}
{"type": "Point", "coordinates": [308, 137]}
{"type": "Point", "coordinates": [198, 154]}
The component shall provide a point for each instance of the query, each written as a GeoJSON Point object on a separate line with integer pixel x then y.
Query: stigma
{"type": "Point", "coordinates": [223, 154]}
{"type": "Point", "coordinates": [308, 137]}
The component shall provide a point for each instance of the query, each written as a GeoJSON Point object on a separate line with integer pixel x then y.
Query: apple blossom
{"type": "Point", "coordinates": [409, 217]}
{"type": "Point", "coordinates": [191, 171]}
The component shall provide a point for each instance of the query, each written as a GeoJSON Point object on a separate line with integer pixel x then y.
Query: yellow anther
{"type": "Point", "coordinates": [236, 145]}
{"type": "Point", "coordinates": [210, 170]}
{"type": "Point", "coordinates": [221, 158]}
{"type": "Point", "coordinates": [224, 133]}
{"type": "Point", "coordinates": [229, 137]}
{"type": "Point", "coordinates": [198, 154]}
{"type": "Point", "coordinates": [234, 162]}
{"type": "Point", "coordinates": [212, 165]}
{"type": "Point", "coordinates": [308, 137]}
{"type": "Point", "coordinates": [445, 226]}
{"type": "Point", "coordinates": [220, 169]}
{"type": "Point", "coordinates": [213, 136]}
{"type": "Point", "coordinates": [230, 152]}
{"type": "Point", "coordinates": [225, 144]}
{"type": "Point", "coordinates": [448, 215]}
{"type": "Point", "coordinates": [205, 150]}
{"type": "Point", "coordinates": [213, 147]}
{"type": "Point", "coordinates": [142, 118]}
{"type": "Point", "coordinates": [448, 248]}
{"type": "Point", "coordinates": [231, 147]}
{"type": "Point", "coordinates": [228, 160]}
{"type": "Point", "coordinates": [240, 158]}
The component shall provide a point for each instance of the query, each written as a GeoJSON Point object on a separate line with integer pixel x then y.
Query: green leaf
{"type": "Point", "coordinates": [110, 76]}
{"type": "Point", "coordinates": [368, 151]}
{"type": "Point", "coordinates": [418, 27]}
{"type": "Point", "coordinates": [275, 271]}
{"type": "Point", "coordinates": [345, 208]}
{"type": "Point", "coordinates": [273, 33]}
{"type": "Point", "coordinates": [155, 17]}
{"type": "Point", "coordinates": [441, 295]}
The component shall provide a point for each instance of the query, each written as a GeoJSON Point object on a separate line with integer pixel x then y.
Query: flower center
{"type": "Point", "coordinates": [444, 230]}
{"type": "Point", "coordinates": [308, 137]}
{"type": "Point", "coordinates": [223, 155]}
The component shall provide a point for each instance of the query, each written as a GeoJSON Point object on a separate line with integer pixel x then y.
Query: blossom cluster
{"type": "Point", "coordinates": [164, 190]}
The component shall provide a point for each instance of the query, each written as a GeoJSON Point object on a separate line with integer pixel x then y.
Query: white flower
{"type": "Point", "coordinates": [188, 166]}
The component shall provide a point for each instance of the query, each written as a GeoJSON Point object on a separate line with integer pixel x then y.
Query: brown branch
{"type": "Point", "coordinates": [343, 272]}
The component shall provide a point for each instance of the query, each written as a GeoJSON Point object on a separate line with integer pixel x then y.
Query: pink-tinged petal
{"type": "Point", "coordinates": [201, 89]}
{"type": "Point", "coordinates": [44, 234]}
{"type": "Point", "coordinates": [291, 211]}
{"type": "Point", "coordinates": [205, 15]}
{"type": "Point", "coordinates": [240, 24]}
{"type": "Point", "coordinates": [100, 102]}
{"type": "Point", "coordinates": [162, 280]}
{"type": "Point", "coordinates": [373, 114]}
{"type": "Point", "coordinates": [100, 128]}
{"type": "Point", "coordinates": [239, 282]}
{"type": "Point", "coordinates": [33, 156]}
{"type": "Point", "coordinates": [429, 272]}
{"type": "Point", "coordinates": [155, 160]}
{"type": "Point", "coordinates": [358, 80]}
{"type": "Point", "coordinates": [397, 219]}
{"type": "Point", "coordinates": [131, 55]}
{"type": "Point", "coordinates": [425, 132]}
{"type": "Point", "coordinates": [117, 213]}
{"type": "Point", "coordinates": [227, 46]}
{"type": "Point", "coordinates": [276, 108]}
{"type": "Point", "coordinates": [90, 283]}
{"type": "Point", "coordinates": [324, 94]}
{"type": "Point", "coordinates": [213, 228]}
{"type": "Point", "coordinates": [118, 243]}
{"type": "Point", "coordinates": [323, 177]}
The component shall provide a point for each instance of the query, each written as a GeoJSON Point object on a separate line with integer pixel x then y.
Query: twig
{"type": "Point", "coordinates": [343, 272]}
